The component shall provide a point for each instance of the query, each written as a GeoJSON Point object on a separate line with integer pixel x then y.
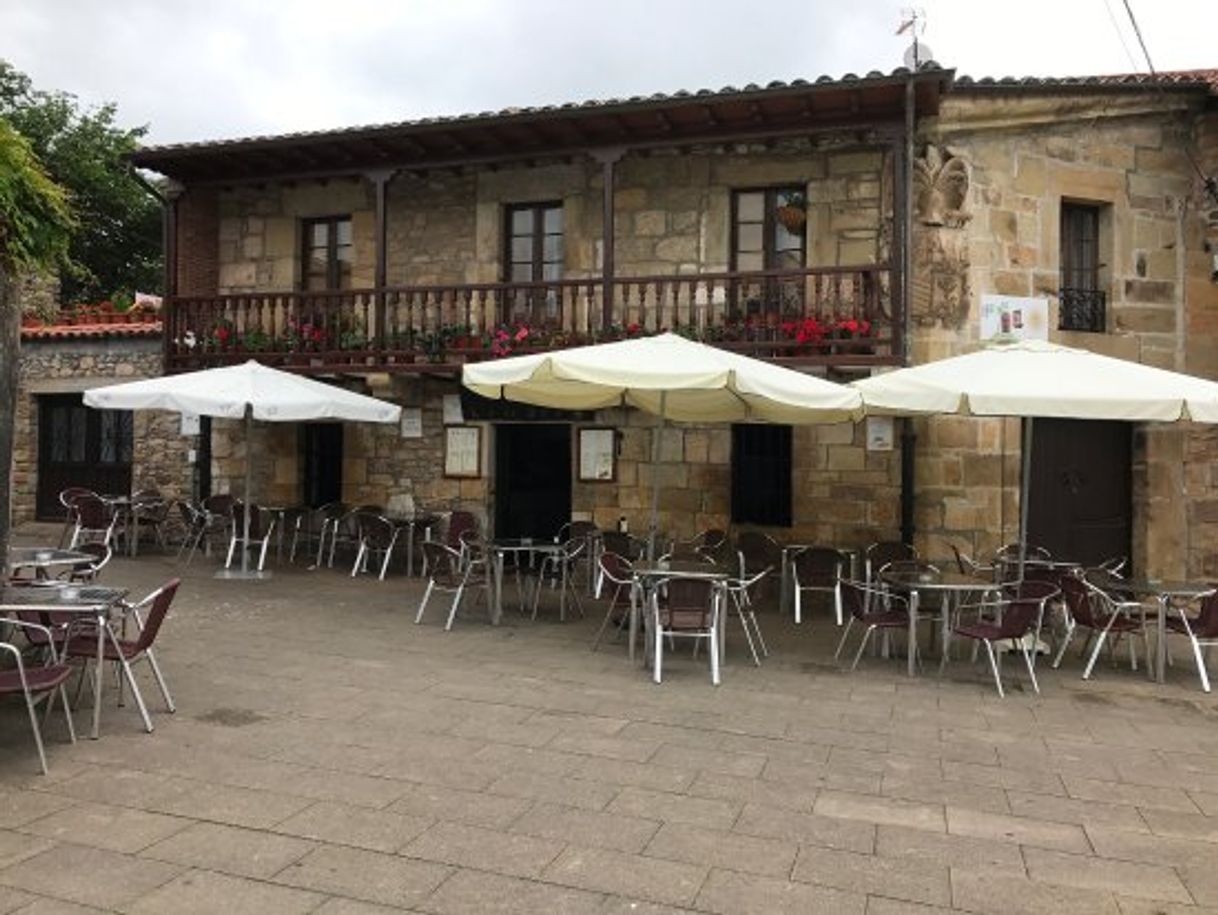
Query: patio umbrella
{"type": "Point", "coordinates": [670, 377]}
{"type": "Point", "coordinates": [250, 391]}
{"type": "Point", "coordinates": [1033, 378]}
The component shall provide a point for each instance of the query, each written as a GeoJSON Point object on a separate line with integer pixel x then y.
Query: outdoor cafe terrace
{"type": "Point", "coordinates": [329, 755]}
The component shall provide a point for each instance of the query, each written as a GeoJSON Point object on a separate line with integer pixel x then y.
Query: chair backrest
{"type": "Point", "coordinates": [100, 552]}
{"type": "Point", "coordinates": [92, 513]}
{"type": "Point", "coordinates": [160, 599]}
{"type": "Point", "coordinates": [854, 598]}
{"type": "Point", "coordinates": [1078, 597]}
{"type": "Point", "coordinates": [616, 568]}
{"type": "Point", "coordinates": [258, 519]}
{"type": "Point", "coordinates": [622, 544]}
{"type": "Point", "coordinates": [151, 494]}
{"type": "Point", "coordinates": [711, 538]}
{"type": "Point", "coordinates": [883, 552]}
{"type": "Point", "coordinates": [375, 530]}
{"type": "Point", "coordinates": [458, 523]}
{"type": "Point", "coordinates": [191, 516]}
{"type": "Point", "coordinates": [1019, 616]}
{"type": "Point", "coordinates": [443, 562]}
{"type": "Point", "coordinates": [219, 504]}
{"type": "Point", "coordinates": [758, 549]}
{"type": "Point", "coordinates": [1035, 589]}
{"type": "Point", "coordinates": [818, 567]}
{"type": "Point", "coordinates": [68, 496]}
{"type": "Point", "coordinates": [1206, 624]}
{"type": "Point", "coordinates": [908, 567]}
{"type": "Point", "coordinates": [690, 602]}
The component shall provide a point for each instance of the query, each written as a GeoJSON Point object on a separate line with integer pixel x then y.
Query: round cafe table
{"type": "Point", "coordinates": [950, 586]}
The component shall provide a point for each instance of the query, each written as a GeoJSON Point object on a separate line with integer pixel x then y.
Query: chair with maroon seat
{"type": "Point", "coordinates": [684, 608]}
{"type": "Point", "coordinates": [1093, 609]}
{"type": "Point", "coordinates": [89, 570]}
{"type": "Point", "coordinates": [95, 522]}
{"type": "Point", "coordinates": [856, 600]}
{"type": "Point", "coordinates": [262, 526]}
{"type": "Point", "coordinates": [449, 572]}
{"type": "Point", "coordinates": [617, 572]}
{"type": "Point", "coordinates": [67, 498]}
{"type": "Point", "coordinates": [818, 568]}
{"type": "Point", "coordinates": [1018, 614]}
{"type": "Point", "coordinates": [124, 652]}
{"type": "Point", "coordinates": [37, 683]}
{"type": "Point", "coordinates": [1201, 631]}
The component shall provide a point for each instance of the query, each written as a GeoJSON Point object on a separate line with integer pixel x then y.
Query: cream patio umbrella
{"type": "Point", "coordinates": [1033, 378]}
{"type": "Point", "coordinates": [250, 391]}
{"type": "Point", "coordinates": [670, 377]}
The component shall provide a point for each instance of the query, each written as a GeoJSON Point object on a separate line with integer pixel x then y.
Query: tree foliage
{"type": "Point", "coordinates": [35, 220]}
{"type": "Point", "coordinates": [115, 244]}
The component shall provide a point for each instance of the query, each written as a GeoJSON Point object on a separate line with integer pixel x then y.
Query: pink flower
{"type": "Point", "coordinates": [522, 334]}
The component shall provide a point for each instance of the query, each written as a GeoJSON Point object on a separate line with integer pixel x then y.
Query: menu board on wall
{"type": "Point", "coordinates": [596, 455]}
{"type": "Point", "coordinates": [462, 451]}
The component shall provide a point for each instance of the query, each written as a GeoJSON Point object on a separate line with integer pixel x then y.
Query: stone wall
{"type": "Point", "coordinates": [54, 367]}
{"type": "Point", "coordinates": [1024, 154]}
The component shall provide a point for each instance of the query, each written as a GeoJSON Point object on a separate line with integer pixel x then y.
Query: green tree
{"type": "Point", "coordinates": [116, 244]}
{"type": "Point", "coordinates": [35, 227]}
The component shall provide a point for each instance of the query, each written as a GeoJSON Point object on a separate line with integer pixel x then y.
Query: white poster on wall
{"type": "Point", "coordinates": [453, 415]}
{"type": "Point", "coordinates": [880, 433]}
{"type": "Point", "coordinates": [412, 422]}
{"type": "Point", "coordinates": [190, 424]}
{"type": "Point", "coordinates": [1014, 318]}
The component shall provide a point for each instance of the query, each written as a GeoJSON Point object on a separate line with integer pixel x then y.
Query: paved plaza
{"type": "Point", "coordinates": [328, 756]}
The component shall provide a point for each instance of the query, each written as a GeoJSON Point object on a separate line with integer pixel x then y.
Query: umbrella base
{"type": "Point", "coordinates": [244, 574]}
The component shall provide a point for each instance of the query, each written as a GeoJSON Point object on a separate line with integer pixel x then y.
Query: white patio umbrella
{"type": "Point", "coordinates": [670, 377]}
{"type": "Point", "coordinates": [1033, 378]}
{"type": "Point", "coordinates": [250, 391]}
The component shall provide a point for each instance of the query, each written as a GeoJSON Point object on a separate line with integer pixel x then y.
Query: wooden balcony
{"type": "Point", "coordinates": [842, 316]}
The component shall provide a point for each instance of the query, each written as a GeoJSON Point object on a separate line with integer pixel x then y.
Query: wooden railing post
{"type": "Point", "coordinates": [608, 158]}
{"type": "Point", "coordinates": [380, 179]}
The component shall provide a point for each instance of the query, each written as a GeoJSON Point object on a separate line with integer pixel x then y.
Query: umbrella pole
{"type": "Point", "coordinates": [655, 482]}
{"type": "Point", "coordinates": [249, 463]}
{"type": "Point", "coordinates": [1025, 490]}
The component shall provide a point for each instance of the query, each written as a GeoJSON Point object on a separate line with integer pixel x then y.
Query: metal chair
{"type": "Point", "coordinates": [94, 522]}
{"type": "Point", "coordinates": [345, 529]}
{"type": "Point", "coordinates": [558, 568]}
{"type": "Point", "coordinates": [377, 536]}
{"type": "Point", "coordinates": [857, 599]}
{"type": "Point", "coordinates": [1017, 618]}
{"type": "Point", "coordinates": [36, 684]}
{"type": "Point", "coordinates": [67, 498]}
{"type": "Point", "coordinates": [818, 568]}
{"type": "Point", "coordinates": [126, 652]}
{"type": "Point", "coordinates": [1093, 609]}
{"type": "Point", "coordinates": [616, 570]}
{"type": "Point", "coordinates": [91, 570]}
{"type": "Point", "coordinates": [684, 608]}
{"type": "Point", "coordinates": [446, 572]}
{"type": "Point", "coordinates": [737, 592]}
{"type": "Point", "coordinates": [1201, 632]}
{"type": "Point", "coordinates": [262, 526]}
{"type": "Point", "coordinates": [882, 553]}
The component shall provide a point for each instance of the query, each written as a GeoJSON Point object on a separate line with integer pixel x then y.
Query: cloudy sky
{"type": "Point", "coordinates": [195, 70]}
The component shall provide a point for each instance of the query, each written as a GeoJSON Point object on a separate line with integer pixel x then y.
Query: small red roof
{"type": "Point", "coordinates": [91, 331]}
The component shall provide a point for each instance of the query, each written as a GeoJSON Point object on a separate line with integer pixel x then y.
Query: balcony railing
{"type": "Point", "coordinates": [1082, 310]}
{"type": "Point", "coordinates": [837, 315]}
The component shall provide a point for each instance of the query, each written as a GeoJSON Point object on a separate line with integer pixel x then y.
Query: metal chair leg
{"type": "Point", "coordinates": [841, 643]}
{"type": "Point", "coordinates": [160, 680]}
{"type": "Point", "coordinates": [989, 653]}
{"type": "Point", "coordinates": [418, 618]}
{"type": "Point", "coordinates": [1027, 660]}
{"type": "Point", "coordinates": [862, 646]}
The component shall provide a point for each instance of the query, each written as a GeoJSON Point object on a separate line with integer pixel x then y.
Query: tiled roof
{"type": "Point", "coordinates": [1180, 79]}
{"type": "Point", "coordinates": [92, 331]}
{"type": "Point", "coordinates": [751, 90]}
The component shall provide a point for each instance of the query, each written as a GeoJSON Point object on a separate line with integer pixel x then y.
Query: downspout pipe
{"type": "Point", "coordinates": [909, 439]}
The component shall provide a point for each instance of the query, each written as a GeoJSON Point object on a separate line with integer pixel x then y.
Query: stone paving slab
{"type": "Point", "coordinates": [331, 757]}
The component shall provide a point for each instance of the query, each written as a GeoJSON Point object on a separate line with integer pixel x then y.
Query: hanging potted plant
{"type": "Point", "coordinates": [792, 212]}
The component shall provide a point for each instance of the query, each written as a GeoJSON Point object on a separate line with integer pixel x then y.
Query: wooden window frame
{"type": "Point", "coordinates": [538, 209]}
{"type": "Point", "coordinates": [333, 270]}
{"type": "Point", "coordinates": [769, 220]}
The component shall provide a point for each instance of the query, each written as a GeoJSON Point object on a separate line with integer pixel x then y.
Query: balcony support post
{"type": "Point", "coordinates": [608, 159]}
{"type": "Point", "coordinates": [170, 195]}
{"type": "Point", "coordinates": [380, 179]}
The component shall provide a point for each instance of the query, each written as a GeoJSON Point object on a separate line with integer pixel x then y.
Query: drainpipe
{"type": "Point", "coordinates": [909, 440]}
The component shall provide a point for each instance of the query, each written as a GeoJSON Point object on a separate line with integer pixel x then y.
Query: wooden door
{"type": "Point", "coordinates": [321, 462]}
{"type": "Point", "coordinates": [532, 479]}
{"type": "Point", "coordinates": [80, 446]}
{"type": "Point", "coordinates": [1081, 489]}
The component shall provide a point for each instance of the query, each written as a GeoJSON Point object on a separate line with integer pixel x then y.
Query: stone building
{"type": "Point", "coordinates": [59, 442]}
{"type": "Point", "coordinates": [836, 226]}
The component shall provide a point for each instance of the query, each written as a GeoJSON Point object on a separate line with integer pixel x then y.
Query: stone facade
{"type": "Point", "coordinates": [993, 169]}
{"type": "Point", "coordinates": [69, 365]}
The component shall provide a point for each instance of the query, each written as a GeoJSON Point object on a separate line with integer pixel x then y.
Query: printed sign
{"type": "Point", "coordinates": [412, 422]}
{"type": "Point", "coordinates": [1008, 317]}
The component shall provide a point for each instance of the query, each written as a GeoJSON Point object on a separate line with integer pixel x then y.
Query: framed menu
{"type": "Point", "coordinates": [463, 451]}
{"type": "Point", "coordinates": [597, 454]}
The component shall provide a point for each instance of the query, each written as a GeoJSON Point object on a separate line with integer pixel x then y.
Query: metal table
{"type": "Point", "coordinates": [521, 546]}
{"type": "Point", "coordinates": [1163, 592]}
{"type": "Point", "coordinates": [92, 601]}
{"type": "Point", "coordinates": [411, 523]}
{"type": "Point", "coordinates": [42, 558]}
{"type": "Point", "coordinates": [949, 585]}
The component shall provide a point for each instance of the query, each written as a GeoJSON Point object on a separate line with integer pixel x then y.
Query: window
{"type": "Point", "coordinates": [761, 474]}
{"type": "Point", "coordinates": [768, 233]}
{"type": "Point", "coordinates": [328, 254]}
{"type": "Point", "coordinates": [1081, 296]}
{"type": "Point", "coordinates": [534, 254]}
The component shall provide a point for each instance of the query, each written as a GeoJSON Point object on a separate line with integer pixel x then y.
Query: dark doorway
{"type": "Point", "coordinates": [532, 479]}
{"type": "Point", "coordinates": [321, 463]}
{"type": "Point", "coordinates": [80, 446]}
{"type": "Point", "coordinates": [1081, 489]}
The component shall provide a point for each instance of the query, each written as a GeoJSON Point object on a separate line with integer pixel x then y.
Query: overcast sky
{"type": "Point", "coordinates": [195, 70]}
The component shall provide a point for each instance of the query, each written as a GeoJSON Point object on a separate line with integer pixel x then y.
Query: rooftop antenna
{"type": "Point", "coordinates": [913, 21]}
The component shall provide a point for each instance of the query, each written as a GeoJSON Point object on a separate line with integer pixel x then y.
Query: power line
{"type": "Point", "coordinates": [1133, 64]}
